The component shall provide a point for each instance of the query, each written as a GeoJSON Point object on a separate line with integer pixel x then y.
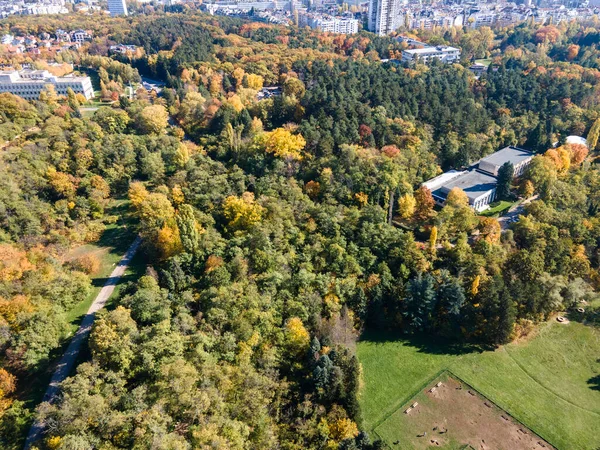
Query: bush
{"type": "Point", "coordinates": [88, 264]}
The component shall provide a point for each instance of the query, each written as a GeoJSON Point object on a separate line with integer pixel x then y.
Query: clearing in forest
{"type": "Point", "coordinates": [451, 414]}
{"type": "Point", "coordinates": [549, 382]}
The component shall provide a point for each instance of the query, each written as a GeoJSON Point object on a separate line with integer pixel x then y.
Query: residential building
{"type": "Point", "coordinates": [30, 83]}
{"type": "Point", "coordinates": [80, 36]}
{"type": "Point", "coordinates": [478, 69]}
{"type": "Point", "coordinates": [479, 181]}
{"type": "Point", "coordinates": [122, 49]}
{"type": "Point", "coordinates": [332, 24]}
{"type": "Point", "coordinates": [427, 54]}
{"type": "Point", "coordinates": [117, 7]}
{"type": "Point", "coordinates": [383, 16]}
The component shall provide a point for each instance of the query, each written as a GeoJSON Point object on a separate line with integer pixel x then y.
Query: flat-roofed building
{"type": "Point", "coordinates": [30, 83]}
{"type": "Point", "coordinates": [479, 182]}
{"type": "Point", "coordinates": [425, 55]}
{"type": "Point", "coordinates": [342, 25]}
{"type": "Point", "coordinates": [518, 157]}
{"type": "Point", "coordinates": [480, 187]}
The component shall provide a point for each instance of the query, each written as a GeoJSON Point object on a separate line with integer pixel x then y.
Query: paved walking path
{"type": "Point", "coordinates": [65, 366]}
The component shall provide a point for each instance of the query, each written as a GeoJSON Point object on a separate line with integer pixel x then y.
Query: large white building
{"type": "Point", "coordinates": [342, 25]}
{"type": "Point", "coordinates": [117, 7]}
{"type": "Point", "coordinates": [30, 83]}
{"type": "Point", "coordinates": [425, 55]}
{"type": "Point", "coordinates": [383, 16]}
{"type": "Point", "coordinates": [479, 182]}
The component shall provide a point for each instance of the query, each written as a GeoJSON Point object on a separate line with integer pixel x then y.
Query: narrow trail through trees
{"type": "Point", "coordinates": [65, 366]}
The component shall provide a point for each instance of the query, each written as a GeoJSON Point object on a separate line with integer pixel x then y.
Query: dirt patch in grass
{"type": "Point", "coordinates": [454, 415]}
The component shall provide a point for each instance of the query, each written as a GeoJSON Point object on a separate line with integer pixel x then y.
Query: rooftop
{"type": "Point", "coordinates": [513, 155]}
{"type": "Point", "coordinates": [428, 50]}
{"type": "Point", "coordinates": [474, 183]}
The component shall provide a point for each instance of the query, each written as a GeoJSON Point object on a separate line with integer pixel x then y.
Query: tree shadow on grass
{"type": "Point", "coordinates": [425, 344]}
{"type": "Point", "coordinates": [119, 235]}
{"type": "Point", "coordinates": [594, 383]}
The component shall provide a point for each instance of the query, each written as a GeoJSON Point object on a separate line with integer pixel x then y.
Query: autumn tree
{"type": "Point", "coordinates": [153, 119]}
{"type": "Point", "coordinates": [424, 204]}
{"type": "Point", "coordinates": [282, 143]}
{"type": "Point", "coordinates": [407, 206]}
{"type": "Point", "coordinates": [242, 212]}
{"type": "Point", "coordinates": [594, 135]}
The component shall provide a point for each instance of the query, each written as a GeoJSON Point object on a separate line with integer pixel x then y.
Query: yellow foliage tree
{"type": "Point", "coordinates": [137, 193]}
{"type": "Point", "coordinates": [153, 119]}
{"type": "Point", "coordinates": [475, 285]}
{"type": "Point", "coordinates": [62, 183]}
{"type": "Point", "coordinates": [254, 81]}
{"type": "Point", "coordinates": [457, 198]}
{"type": "Point", "coordinates": [433, 238]}
{"type": "Point", "coordinates": [177, 195]}
{"type": "Point", "coordinates": [407, 205]}
{"type": "Point", "coordinates": [168, 241]}
{"type": "Point", "coordinates": [13, 263]}
{"type": "Point", "coordinates": [236, 102]}
{"type": "Point", "coordinates": [11, 309]}
{"type": "Point", "coordinates": [527, 189]}
{"type": "Point", "coordinates": [242, 212]}
{"type": "Point", "coordinates": [283, 144]}
{"type": "Point", "coordinates": [342, 429]}
{"type": "Point", "coordinates": [296, 335]}
{"type": "Point", "coordinates": [8, 385]}
{"type": "Point", "coordinates": [361, 198]}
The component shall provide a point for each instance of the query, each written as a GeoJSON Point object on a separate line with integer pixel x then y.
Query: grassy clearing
{"type": "Point", "coordinates": [111, 246]}
{"type": "Point", "coordinates": [497, 208]}
{"type": "Point", "coordinates": [547, 383]}
{"type": "Point", "coordinates": [455, 416]}
{"type": "Point", "coordinates": [485, 62]}
{"type": "Point", "coordinates": [109, 249]}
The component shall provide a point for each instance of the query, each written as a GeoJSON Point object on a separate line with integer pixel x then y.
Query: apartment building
{"type": "Point", "coordinates": [425, 55]}
{"type": "Point", "coordinates": [383, 16]}
{"type": "Point", "coordinates": [117, 7]}
{"type": "Point", "coordinates": [30, 83]}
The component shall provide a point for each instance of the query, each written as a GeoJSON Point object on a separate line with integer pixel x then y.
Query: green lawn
{"type": "Point", "coordinates": [111, 246]}
{"type": "Point", "coordinates": [497, 208]}
{"type": "Point", "coordinates": [550, 383]}
{"type": "Point", "coordinates": [485, 62]}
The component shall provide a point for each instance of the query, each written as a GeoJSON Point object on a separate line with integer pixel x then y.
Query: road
{"type": "Point", "coordinates": [65, 366]}
{"type": "Point", "coordinates": [513, 214]}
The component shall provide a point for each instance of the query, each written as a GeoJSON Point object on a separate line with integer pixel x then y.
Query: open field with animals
{"type": "Point", "coordinates": [450, 414]}
{"type": "Point", "coordinates": [548, 382]}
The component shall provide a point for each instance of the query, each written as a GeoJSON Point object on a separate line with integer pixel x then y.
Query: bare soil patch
{"type": "Point", "coordinates": [453, 415]}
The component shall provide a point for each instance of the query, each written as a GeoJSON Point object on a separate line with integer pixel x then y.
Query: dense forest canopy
{"type": "Point", "coordinates": [275, 230]}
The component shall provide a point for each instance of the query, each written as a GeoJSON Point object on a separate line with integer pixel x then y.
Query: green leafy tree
{"type": "Point", "coordinates": [505, 176]}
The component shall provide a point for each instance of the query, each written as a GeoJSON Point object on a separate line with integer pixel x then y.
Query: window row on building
{"type": "Point", "coordinates": [29, 84]}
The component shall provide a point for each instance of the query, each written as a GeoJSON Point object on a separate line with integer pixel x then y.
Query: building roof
{"type": "Point", "coordinates": [474, 183]}
{"type": "Point", "coordinates": [576, 140]}
{"type": "Point", "coordinates": [513, 155]}
{"type": "Point", "coordinates": [431, 50]}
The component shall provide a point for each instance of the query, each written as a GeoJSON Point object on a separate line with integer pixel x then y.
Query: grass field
{"type": "Point", "coordinates": [485, 62]}
{"type": "Point", "coordinates": [549, 383]}
{"type": "Point", "coordinates": [454, 415]}
{"type": "Point", "coordinates": [497, 208]}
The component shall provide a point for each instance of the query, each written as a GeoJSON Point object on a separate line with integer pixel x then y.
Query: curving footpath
{"type": "Point", "coordinates": [65, 366]}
